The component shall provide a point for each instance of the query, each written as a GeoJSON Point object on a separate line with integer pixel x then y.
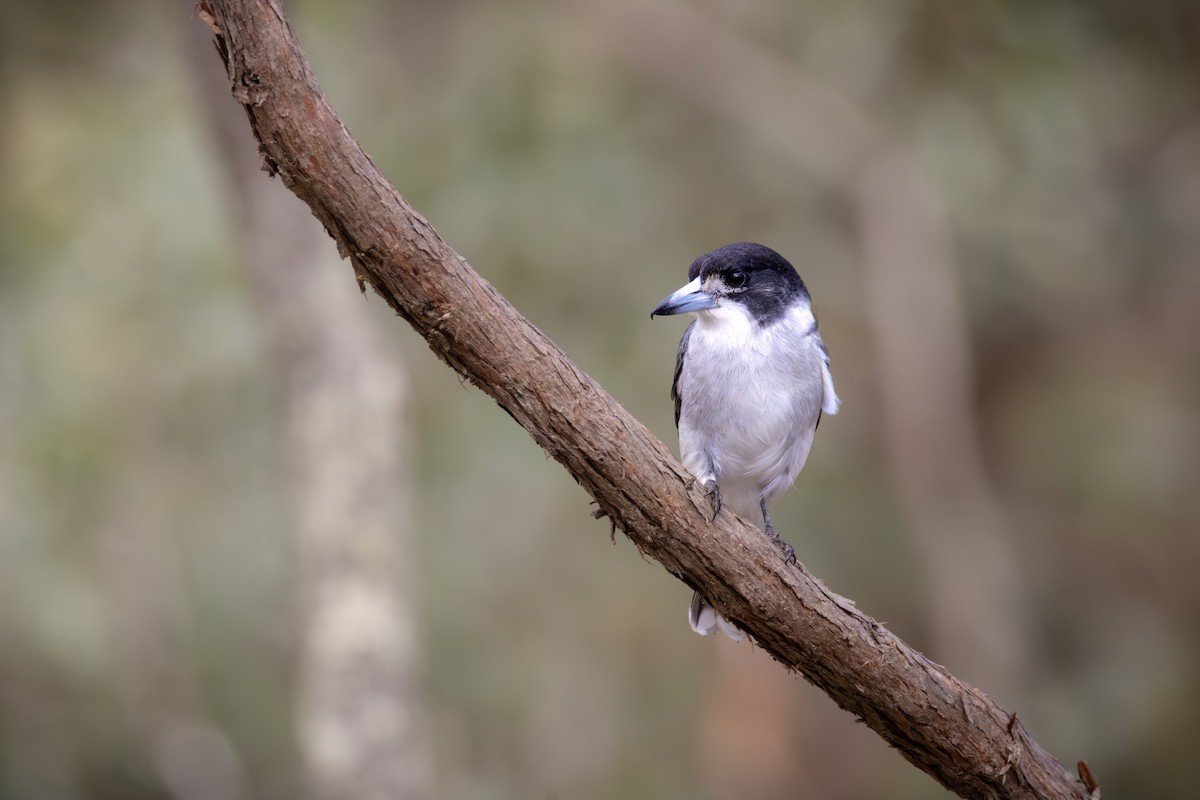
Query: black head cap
{"type": "Point", "coordinates": [754, 275]}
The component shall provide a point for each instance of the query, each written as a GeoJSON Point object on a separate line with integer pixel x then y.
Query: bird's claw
{"type": "Point", "coordinates": [714, 496]}
{"type": "Point", "coordinates": [789, 552]}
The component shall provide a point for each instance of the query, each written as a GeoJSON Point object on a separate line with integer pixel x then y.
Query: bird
{"type": "Point", "coordinates": [751, 382]}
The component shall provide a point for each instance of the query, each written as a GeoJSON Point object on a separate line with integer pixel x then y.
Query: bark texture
{"type": "Point", "coordinates": [948, 729]}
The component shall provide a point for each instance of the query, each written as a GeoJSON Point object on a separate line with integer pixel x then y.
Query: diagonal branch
{"type": "Point", "coordinates": [949, 730]}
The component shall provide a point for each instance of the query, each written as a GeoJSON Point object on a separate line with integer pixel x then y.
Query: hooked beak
{"type": "Point", "coordinates": [689, 298]}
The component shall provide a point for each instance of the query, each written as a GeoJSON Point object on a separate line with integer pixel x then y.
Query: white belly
{"type": "Point", "coordinates": [751, 399]}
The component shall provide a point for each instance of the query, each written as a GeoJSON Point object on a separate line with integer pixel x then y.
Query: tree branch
{"type": "Point", "coordinates": [950, 730]}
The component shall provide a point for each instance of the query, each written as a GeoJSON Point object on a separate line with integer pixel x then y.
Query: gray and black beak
{"type": "Point", "coordinates": [689, 298]}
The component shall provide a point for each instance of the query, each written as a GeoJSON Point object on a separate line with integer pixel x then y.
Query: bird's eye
{"type": "Point", "coordinates": [737, 278]}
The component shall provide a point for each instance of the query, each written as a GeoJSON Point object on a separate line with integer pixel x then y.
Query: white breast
{"type": "Point", "coordinates": [751, 398]}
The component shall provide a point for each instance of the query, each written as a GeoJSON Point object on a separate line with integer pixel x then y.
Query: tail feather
{"type": "Point", "coordinates": [704, 619]}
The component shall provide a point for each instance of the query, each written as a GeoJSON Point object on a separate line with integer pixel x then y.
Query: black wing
{"type": "Point", "coordinates": [683, 343]}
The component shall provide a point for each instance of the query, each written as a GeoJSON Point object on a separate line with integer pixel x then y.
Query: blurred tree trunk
{"type": "Point", "coordinates": [360, 715]}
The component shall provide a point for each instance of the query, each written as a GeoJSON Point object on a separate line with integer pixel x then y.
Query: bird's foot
{"type": "Point", "coordinates": [714, 496]}
{"type": "Point", "coordinates": [789, 552]}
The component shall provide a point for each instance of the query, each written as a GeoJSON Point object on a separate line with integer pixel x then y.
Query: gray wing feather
{"type": "Point", "coordinates": [826, 383]}
{"type": "Point", "coordinates": [825, 355]}
{"type": "Point", "coordinates": [683, 343]}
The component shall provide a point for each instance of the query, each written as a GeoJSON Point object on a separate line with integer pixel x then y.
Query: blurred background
{"type": "Point", "coordinates": [250, 528]}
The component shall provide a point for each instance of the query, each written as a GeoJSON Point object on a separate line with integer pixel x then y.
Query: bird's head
{"type": "Point", "coordinates": [744, 278]}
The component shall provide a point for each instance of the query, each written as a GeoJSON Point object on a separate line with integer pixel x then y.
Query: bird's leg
{"type": "Point", "coordinates": [789, 552]}
{"type": "Point", "coordinates": [714, 495]}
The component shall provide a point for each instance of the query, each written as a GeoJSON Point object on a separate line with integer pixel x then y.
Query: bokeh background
{"type": "Point", "coordinates": [995, 205]}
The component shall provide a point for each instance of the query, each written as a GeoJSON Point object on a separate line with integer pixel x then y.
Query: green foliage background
{"type": "Point", "coordinates": [146, 582]}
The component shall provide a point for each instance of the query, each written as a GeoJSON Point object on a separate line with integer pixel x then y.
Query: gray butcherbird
{"type": "Point", "coordinates": [751, 381]}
